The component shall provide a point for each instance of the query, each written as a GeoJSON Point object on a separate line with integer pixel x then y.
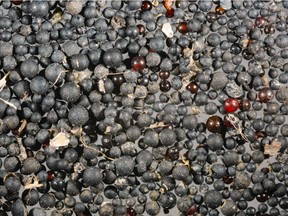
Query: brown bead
{"type": "Point", "coordinates": [131, 212]}
{"type": "Point", "coordinates": [219, 10]}
{"type": "Point", "coordinates": [141, 29]}
{"type": "Point", "coordinates": [215, 124]}
{"type": "Point", "coordinates": [164, 75]}
{"type": "Point", "coordinates": [265, 94]}
{"type": "Point", "coordinates": [192, 87]}
{"type": "Point", "coordinates": [146, 6]}
{"type": "Point", "coordinates": [245, 105]}
{"type": "Point", "coordinates": [172, 153]}
{"type": "Point", "coordinates": [269, 29]}
{"type": "Point", "coordinates": [211, 16]}
{"type": "Point", "coordinates": [169, 13]}
{"type": "Point", "coordinates": [138, 63]}
{"type": "Point", "coordinates": [165, 86]}
{"type": "Point", "coordinates": [262, 197]}
{"type": "Point", "coordinates": [227, 179]}
{"type": "Point", "coordinates": [17, 2]}
{"type": "Point", "coordinates": [183, 28]}
{"type": "Point", "coordinates": [260, 22]}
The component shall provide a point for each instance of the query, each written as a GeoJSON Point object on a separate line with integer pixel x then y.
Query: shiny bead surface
{"type": "Point", "coordinates": [260, 22]}
{"type": "Point", "coordinates": [265, 94]}
{"type": "Point", "coordinates": [192, 87]}
{"type": "Point", "coordinates": [164, 75]}
{"type": "Point", "coordinates": [146, 6]}
{"type": "Point", "coordinates": [138, 63]}
{"type": "Point", "coordinates": [165, 86]}
{"type": "Point", "coordinates": [219, 10]}
{"type": "Point", "coordinates": [215, 124]}
{"type": "Point", "coordinates": [182, 27]}
{"type": "Point", "coordinates": [169, 13]}
{"type": "Point", "coordinates": [245, 105]}
{"type": "Point", "coordinates": [231, 105]}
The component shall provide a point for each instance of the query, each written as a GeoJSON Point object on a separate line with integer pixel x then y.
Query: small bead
{"type": "Point", "coordinates": [138, 63]}
{"type": "Point", "coordinates": [231, 105]}
{"type": "Point", "coordinates": [265, 94]}
{"type": "Point", "coordinates": [165, 86]}
{"type": "Point", "coordinates": [141, 29]}
{"type": "Point", "coordinates": [219, 10]}
{"type": "Point", "coordinates": [164, 75]}
{"type": "Point", "coordinates": [192, 87]}
{"type": "Point", "coordinates": [260, 22]}
{"type": "Point", "coordinates": [269, 29]}
{"type": "Point", "coordinates": [118, 79]}
{"type": "Point", "coordinates": [215, 124]}
{"type": "Point", "coordinates": [146, 6]}
{"type": "Point", "coordinates": [183, 28]}
{"type": "Point", "coordinates": [245, 105]}
{"type": "Point", "coordinates": [169, 13]}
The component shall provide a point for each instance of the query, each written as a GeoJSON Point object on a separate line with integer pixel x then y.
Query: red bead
{"type": "Point", "coordinates": [183, 28]}
{"type": "Point", "coordinates": [192, 211]}
{"type": "Point", "coordinates": [169, 13]}
{"type": "Point", "coordinates": [260, 22]}
{"type": "Point", "coordinates": [138, 63]}
{"type": "Point", "coordinates": [146, 6]}
{"type": "Point", "coordinates": [231, 105]}
{"type": "Point", "coordinates": [50, 176]}
{"type": "Point", "coordinates": [192, 87]}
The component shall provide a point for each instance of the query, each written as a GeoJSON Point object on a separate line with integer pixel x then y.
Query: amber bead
{"type": "Point", "coordinates": [260, 22]}
{"type": "Point", "coordinates": [168, 4]}
{"type": "Point", "coordinates": [165, 86]}
{"type": "Point", "coordinates": [265, 94]}
{"type": "Point", "coordinates": [172, 153]}
{"type": "Point", "coordinates": [164, 75]}
{"type": "Point", "coordinates": [169, 13]}
{"type": "Point", "coordinates": [131, 212]}
{"type": "Point", "coordinates": [192, 87]}
{"type": "Point", "coordinates": [269, 29]}
{"type": "Point", "coordinates": [183, 28]}
{"type": "Point", "coordinates": [245, 105]}
{"type": "Point", "coordinates": [219, 10]}
{"type": "Point", "coordinates": [215, 124]}
{"type": "Point", "coordinates": [146, 6]}
{"type": "Point", "coordinates": [138, 63]}
{"type": "Point", "coordinates": [141, 29]}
